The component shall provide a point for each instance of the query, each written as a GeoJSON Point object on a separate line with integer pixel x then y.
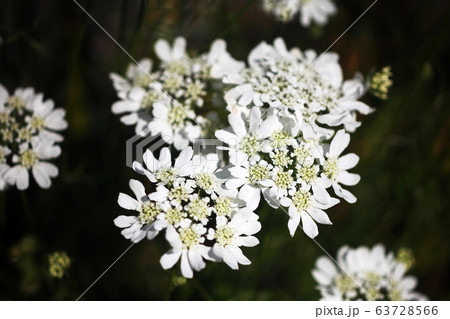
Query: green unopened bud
{"type": "Point", "coordinates": [406, 257]}
{"type": "Point", "coordinates": [380, 82]}
{"type": "Point", "coordinates": [59, 262]}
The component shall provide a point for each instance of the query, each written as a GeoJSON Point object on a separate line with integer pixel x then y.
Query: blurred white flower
{"type": "Point", "coordinates": [369, 274]}
{"type": "Point", "coordinates": [28, 133]}
{"type": "Point", "coordinates": [310, 11]}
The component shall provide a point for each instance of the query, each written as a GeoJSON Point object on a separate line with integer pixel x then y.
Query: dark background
{"type": "Point", "coordinates": [403, 196]}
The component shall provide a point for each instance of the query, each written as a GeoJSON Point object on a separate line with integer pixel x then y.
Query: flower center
{"type": "Point", "coordinates": [178, 67]}
{"type": "Point", "coordinates": [223, 206]}
{"type": "Point", "coordinates": [308, 173]}
{"type": "Point", "coordinates": [302, 200]}
{"type": "Point", "coordinates": [176, 116]}
{"type": "Point", "coordinates": [283, 179]}
{"type": "Point", "coordinates": [258, 173]}
{"type": "Point", "coordinates": [166, 175]}
{"type": "Point", "coordinates": [142, 80]}
{"type": "Point", "coordinates": [174, 216]}
{"type": "Point", "coordinates": [194, 90]}
{"type": "Point", "coordinates": [37, 123]}
{"type": "Point", "coordinates": [344, 283]}
{"type": "Point", "coordinates": [178, 193]}
{"type": "Point", "coordinates": [189, 237]}
{"type": "Point", "coordinates": [28, 158]}
{"type": "Point", "coordinates": [279, 139]}
{"type": "Point", "coordinates": [280, 158]}
{"type": "Point", "coordinates": [24, 134]}
{"type": "Point", "coordinates": [16, 103]}
{"type": "Point", "coordinates": [198, 209]}
{"type": "Point", "coordinates": [330, 168]}
{"type": "Point", "coordinates": [206, 181]}
{"type": "Point", "coordinates": [250, 145]}
{"type": "Point", "coordinates": [224, 235]}
{"type": "Point", "coordinates": [148, 213]}
{"type": "Point", "coordinates": [301, 153]}
{"type": "Point", "coordinates": [148, 100]}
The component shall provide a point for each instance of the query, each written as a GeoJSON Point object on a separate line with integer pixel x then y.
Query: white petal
{"type": "Point", "coordinates": [237, 124]}
{"type": "Point", "coordinates": [308, 225]}
{"type": "Point", "coordinates": [348, 161]}
{"type": "Point", "coordinates": [186, 269]}
{"type": "Point", "coordinates": [138, 190]}
{"type": "Point", "coordinates": [123, 221]}
{"type": "Point", "coordinates": [162, 50]}
{"type": "Point", "coordinates": [22, 179]}
{"type": "Point", "coordinates": [349, 179]}
{"type": "Point", "coordinates": [55, 120]}
{"type": "Point", "coordinates": [128, 202]}
{"type": "Point", "coordinates": [195, 259]}
{"type": "Point", "coordinates": [169, 259]}
{"type": "Point", "coordinates": [41, 176]}
{"type": "Point", "coordinates": [247, 241]}
{"type": "Point", "coordinates": [320, 216]}
{"type": "Point", "coordinates": [339, 143]}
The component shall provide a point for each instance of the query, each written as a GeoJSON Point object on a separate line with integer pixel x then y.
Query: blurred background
{"type": "Point", "coordinates": [403, 196]}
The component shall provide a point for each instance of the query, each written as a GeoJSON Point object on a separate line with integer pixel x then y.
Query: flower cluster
{"type": "Point", "coordinates": [179, 100]}
{"type": "Point", "coordinates": [310, 11]}
{"type": "Point", "coordinates": [285, 110]}
{"type": "Point", "coordinates": [28, 126]}
{"type": "Point", "coordinates": [202, 220]}
{"type": "Point", "coordinates": [370, 274]}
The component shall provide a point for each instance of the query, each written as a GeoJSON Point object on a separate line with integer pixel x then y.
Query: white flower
{"type": "Point", "coordinates": [221, 61]}
{"type": "Point", "coordinates": [187, 244]}
{"type": "Point", "coordinates": [370, 274]}
{"type": "Point", "coordinates": [45, 120]}
{"type": "Point", "coordinates": [161, 170]}
{"type": "Point", "coordinates": [4, 167]}
{"type": "Point", "coordinates": [335, 167]}
{"type": "Point", "coordinates": [310, 10]}
{"type": "Point", "coordinates": [231, 234]}
{"type": "Point", "coordinates": [137, 75]}
{"type": "Point", "coordinates": [204, 171]}
{"type": "Point", "coordinates": [146, 223]}
{"type": "Point", "coordinates": [167, 54]}
{"type": "Point", "coordinates": [306, 207]}
{"type": "Point", "coordinates": [316, 11]}
{"type": "Point", "coordinates": [175, 124]}
{"type": "Point", "coordinates": [27, 137]}
{"type": "Point", "coordinates": [247, 136]}
{"type": "Point", "coordinates": [33, 158]}
{"type": "Point", "coordinates": [253, 178]}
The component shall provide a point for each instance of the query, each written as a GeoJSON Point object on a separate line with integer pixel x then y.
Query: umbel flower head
{"type": "Point", "coordinates": [179, 100]}
{"type": "Point", "coordinates": [28, 134]}
{"type": "Point", "coordinates": [283, 140]}
{"type": "Point", "coordinates": [309, 11]}
{"type": "Point", "coordinates": [202, 221]}
{"type": "Point", "coordinates": [370, 274]}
